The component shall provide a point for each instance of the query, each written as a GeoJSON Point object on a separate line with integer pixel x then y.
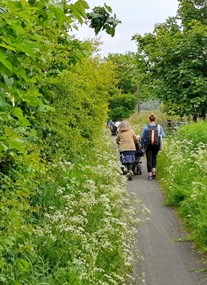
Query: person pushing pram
{"type": "Point", "coordinates": [129, 150]}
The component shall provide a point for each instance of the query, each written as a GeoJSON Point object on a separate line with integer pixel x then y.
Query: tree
{"type": "Point", "coordinates": [121, 106]}
{"type": "Point", "coordinates": [35, 44]}
{"type": "Point", "coordinates": [101, 19]}
{"type": "Point", "coordinates": [123, 98]}
{"type": "Point", "coordinates": [125, 66]}
{"type": "Point", "coordinates": [176, 60]}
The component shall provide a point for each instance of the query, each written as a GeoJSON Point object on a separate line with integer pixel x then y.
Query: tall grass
{"type": "Point", "coordinates": [182, 170]}
{"type": "Point", "coordinates": [83, 228]}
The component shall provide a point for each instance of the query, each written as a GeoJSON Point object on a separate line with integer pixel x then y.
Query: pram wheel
{"type": "Point", "coordinates": [129, 176]}
{"type": "Point", "coordinates": [139, 171]}
{"type": "Point", "coordinates": [138, 168]}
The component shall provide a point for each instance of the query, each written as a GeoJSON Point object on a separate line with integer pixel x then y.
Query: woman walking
{"type": "Point", "coordinates": [151, 137]}
{"type": "Point", "coordinates": [126, 140]}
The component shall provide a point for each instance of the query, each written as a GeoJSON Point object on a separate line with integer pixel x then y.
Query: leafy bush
{"type": "Point", "coordinates": [195, 132]}
{"type": "Point", "coordinates": [121, 106]}
{"type": "Point", "coordinates": [65, 214]}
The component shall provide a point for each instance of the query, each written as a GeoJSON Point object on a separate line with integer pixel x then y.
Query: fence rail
{"type": "Point", "coordinates": [174, 124]}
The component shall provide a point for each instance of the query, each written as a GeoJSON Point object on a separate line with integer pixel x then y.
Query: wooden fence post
{"type": "Point", "coordinates": [138, 99]}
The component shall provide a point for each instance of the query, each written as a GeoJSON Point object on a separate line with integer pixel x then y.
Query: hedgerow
{"type": "Point", "coordinates": [65, 215]}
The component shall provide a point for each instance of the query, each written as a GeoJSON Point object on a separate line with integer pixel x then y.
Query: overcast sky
{"type": "Point", "coordinates": [137, 17]}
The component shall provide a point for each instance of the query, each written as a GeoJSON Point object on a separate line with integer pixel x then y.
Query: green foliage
{"type": "Point", "coordinates": [121, 106]}
{"type": "Point", "coordinates": [195, 132]}
{"type": "Point", "coordinates": [34, 45]}
{"type": "Point", "coordinates": [79, 97]}
{"type": "Point", "coordinates": [182, 169]}
{"type": "Point", "coordinates": [100, 19]}
{"type": "Point", "coordinates": [64, 218]}
{"type": "Point", "coordinates": [192, 10]}
{"type": "Point", "coordinates": [172, 61]}
{"type": "Point", "coordinates": [78, 204]}
{"type": "Point", "coordinates": [122, 100]}
{"type": "Point", "coordinates": [126, 73]}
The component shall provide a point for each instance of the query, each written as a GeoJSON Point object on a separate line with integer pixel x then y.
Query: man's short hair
{"type": "Point", "coordinates": [152, 118]}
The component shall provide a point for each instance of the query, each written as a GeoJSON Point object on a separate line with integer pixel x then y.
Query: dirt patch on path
{"type": "Point", "coordinates": [166, 260]}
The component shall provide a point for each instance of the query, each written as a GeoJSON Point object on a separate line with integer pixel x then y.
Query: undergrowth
{"type": "Point", "coordinates": [182, 169]}
{"type": "Point", "coordinates": [77, 227]}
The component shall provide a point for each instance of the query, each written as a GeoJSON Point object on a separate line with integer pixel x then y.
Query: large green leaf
{"type": "Point", "coordinates": [17, 112]}
{"type": "Point", "coordinates": [60, 15]}
{"type": "Point", "coordinates": [5, 62]}
{"type": "Point", "coordinates": [17, 144]}
{"type": "Point", "coordinates": [78, 9]}
{"type": "Point", "coordinates": [26, 47]}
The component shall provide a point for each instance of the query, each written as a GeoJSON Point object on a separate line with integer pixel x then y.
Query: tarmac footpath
{"type": "Point", "coordinates": [168, 259]}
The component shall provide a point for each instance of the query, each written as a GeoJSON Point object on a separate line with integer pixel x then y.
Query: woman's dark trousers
{"type": "Point", "coordinates": [151, 155]}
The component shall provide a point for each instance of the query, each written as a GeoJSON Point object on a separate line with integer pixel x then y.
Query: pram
{"type": "Point", "coordinates": [127, 159]}
{"type": "Point", "coordinates": [136, 168]}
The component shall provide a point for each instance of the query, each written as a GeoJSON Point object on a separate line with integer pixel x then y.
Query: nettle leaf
{"type": "Point", "coordinates": [2, 138]}
{"type": "Point", "coordinates": [46, 108]}
{"type": "Point", "coordinates": [20, 71]}
{"type": "Point", "coordinates": [22, 265]}
{"type": "Point", "coordinates": [8, 241]}
{"type": "Point", "coordinates": [17, 112]}
{"type": "Point", "coordinates": [32, 97]}
{"type": "Point", "coordinates": [8, 132]}
{"type": "Point", "coordinates": [18, 29]}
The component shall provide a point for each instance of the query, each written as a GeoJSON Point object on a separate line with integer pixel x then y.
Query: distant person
{"type": "Point", "coordinates": [151, 138]}
{"type": "Point", "coordinates": [117, 124]}
{"type": "Point", "coordinates": [110, 124]}
{"type": "Point", "coordinates": [112, 127]}
{"type": "Point", "coordinates": [126, 140]}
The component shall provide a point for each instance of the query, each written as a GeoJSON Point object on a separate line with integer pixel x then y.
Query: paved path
{"type": "Point", "coordinates": [167, 261]}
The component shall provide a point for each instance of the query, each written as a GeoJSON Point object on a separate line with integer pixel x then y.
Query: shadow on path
{"type": "Point", "coordinates": [166, 261]}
